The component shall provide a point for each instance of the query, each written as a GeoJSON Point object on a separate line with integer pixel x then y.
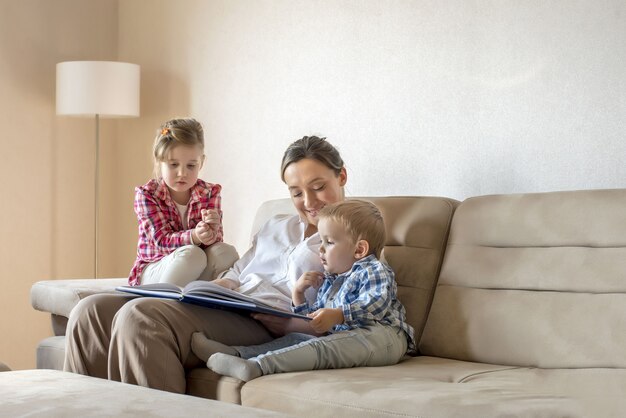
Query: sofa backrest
{"type": "Point", "coordinates": [417, 229]}
{"type": "Point", "coordinates": [534, 280]}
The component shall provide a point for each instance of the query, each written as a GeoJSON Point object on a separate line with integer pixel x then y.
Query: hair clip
{"type": "Point", "coordinates": [165, 131]}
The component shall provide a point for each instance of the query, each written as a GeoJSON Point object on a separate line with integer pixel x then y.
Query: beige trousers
{"type": "Point", "coordinates": [147, 341]}
{"type": "Point", "coordinates": [182, 266]}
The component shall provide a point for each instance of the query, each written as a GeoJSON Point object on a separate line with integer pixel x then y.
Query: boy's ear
{"type": "Point", "coordinates": [362, 249]}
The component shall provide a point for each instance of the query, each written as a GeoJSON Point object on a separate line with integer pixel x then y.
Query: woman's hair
{"type": "Point", "coordinates": [183, 131]}
{"type": "Point", "coordinates": [361, 220]}
{"type": "Point", "coordinates": [314, 148]}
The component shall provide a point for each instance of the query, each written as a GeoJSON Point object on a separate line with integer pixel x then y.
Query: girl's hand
{"type": "Point", "coordinates": [326, 318]}
{"type": "Point", "coordinates": [211, 217]}
{"type": "Point", "coordinates": [204, 233]}
{"type": "Point", "coordinates": [312, 279]}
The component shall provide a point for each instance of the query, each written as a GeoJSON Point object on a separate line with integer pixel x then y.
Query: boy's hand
{"type": "Point", "coordinates": [326, 318]}
{"type": "Point", "coordinates": [309, 279]}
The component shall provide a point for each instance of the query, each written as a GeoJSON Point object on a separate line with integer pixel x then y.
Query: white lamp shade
{"type": "Point", "coordinates": [105, 88]}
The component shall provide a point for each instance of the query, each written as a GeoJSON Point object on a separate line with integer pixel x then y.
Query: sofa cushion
{"type": "Point", "coordinates": [435, 387]}
{"type": "Point", "coordinates": [534, 280]}
{"type": "Point", "coordinates": [60, 296]}
{"type": "Point", "coordinates": [51, 393]}
{"type": "Point", "coordinates": [205, 383]}
{"type": "Point", "coordinates": [51, 353]}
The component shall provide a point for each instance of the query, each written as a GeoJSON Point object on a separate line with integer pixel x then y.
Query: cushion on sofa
{"type": "Point", "coordinates": [430, 387]}
{"type": "Point", "coordinates": [52, 393]}
{"type": "Point", "coordinates": [51, 353]}
{"type": "Point", "coordinates": [534, 280]}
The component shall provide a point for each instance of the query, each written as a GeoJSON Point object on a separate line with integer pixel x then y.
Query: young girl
{"type": "Point", "coordinates": [179, 214]}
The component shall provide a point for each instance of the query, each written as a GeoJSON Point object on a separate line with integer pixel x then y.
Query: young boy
{"type": "Point", "coordinates": [357, 314]}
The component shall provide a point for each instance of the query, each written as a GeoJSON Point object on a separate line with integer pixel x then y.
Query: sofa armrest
{"type": "Point", "coordinates": [59, 296]}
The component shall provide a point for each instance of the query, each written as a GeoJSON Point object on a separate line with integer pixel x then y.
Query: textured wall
{"type": "Point", "coordinates": [452, 98]}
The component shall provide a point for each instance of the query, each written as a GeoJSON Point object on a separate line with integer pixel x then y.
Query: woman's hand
{"type": "Point", "coordinates": [326, 318]}
{"type": "Point", "coordinates": [279, 326]}
{"type": "Point", "coordinates": [312, 279]}
{"type": "Point", "coordinates": [227, 283]}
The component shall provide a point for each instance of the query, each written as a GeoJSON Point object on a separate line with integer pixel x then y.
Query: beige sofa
{"type": "Point", "coordinates": [518, 304]}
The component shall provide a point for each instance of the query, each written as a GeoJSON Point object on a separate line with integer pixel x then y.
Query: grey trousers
{"type": "Point", "coordinates": [374, 345]}
{"type": "Point", "coordinates": [147, 341]}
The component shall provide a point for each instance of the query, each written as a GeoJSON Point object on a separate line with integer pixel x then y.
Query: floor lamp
{"type": "Point", "coordinates": [101, 89]}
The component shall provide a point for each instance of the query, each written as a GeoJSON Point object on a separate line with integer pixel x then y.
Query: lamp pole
{"type": "Point", "coordinates": [97, 197]}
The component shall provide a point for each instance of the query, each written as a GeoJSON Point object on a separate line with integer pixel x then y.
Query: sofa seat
{"type": "Point", "coordinates": [437, 387]}
{"type": "Point", "coordinates": [52, 393]}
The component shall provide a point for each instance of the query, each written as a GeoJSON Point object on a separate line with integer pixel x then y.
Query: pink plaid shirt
{"type": "Point", "coordinates": [160, 225]}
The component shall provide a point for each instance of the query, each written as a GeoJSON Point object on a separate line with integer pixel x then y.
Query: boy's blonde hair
{"type": "Point", "coordinates": [361, 220]}
{"type": "Point", "coordinates": [182, 131]}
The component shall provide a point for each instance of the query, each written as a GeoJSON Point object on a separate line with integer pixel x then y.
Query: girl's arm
{"type": "Point", "coordinates": [211, 213]}
{"type": "Point", "coordinates": [156, 225]}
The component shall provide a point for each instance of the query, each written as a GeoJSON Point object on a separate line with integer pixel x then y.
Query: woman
{"type": "Point", "coordinates": [147, 341]}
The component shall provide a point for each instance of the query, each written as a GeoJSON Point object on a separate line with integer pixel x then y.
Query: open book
{"type": "Point", "coordinates": [210, 295]}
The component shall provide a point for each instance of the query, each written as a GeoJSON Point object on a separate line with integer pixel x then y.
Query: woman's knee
{"type": "Point", "coordinates": [145, 316]}
{"type": "Point", "coordinates": [99, 307]}
{"type": "Point", "coordinates": [137, 311]}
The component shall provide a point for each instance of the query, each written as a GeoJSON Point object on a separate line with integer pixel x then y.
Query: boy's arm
{"type": "Point", "coordinates": [309, 279]}
{"type": "Point", "coordinates": [373, 296]}
{"type": "Point", "coordinates": [326, 318]}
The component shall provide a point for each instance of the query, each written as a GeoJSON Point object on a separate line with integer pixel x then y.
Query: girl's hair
{"type": "Point", "coordinates": [361, 220]}
{"type": "Point", "coordinates": [314, 148]}
{"type": "Point", "coordinates": [183, 131]}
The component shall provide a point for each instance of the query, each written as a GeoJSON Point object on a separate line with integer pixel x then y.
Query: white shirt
{"type": "Point", "coordinates": [183, 209]}
{"type": "Point", "coordinates": [279, 255]}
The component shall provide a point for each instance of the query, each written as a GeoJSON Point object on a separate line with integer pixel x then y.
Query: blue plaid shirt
{"type": "Point", "coordinates": [367, 294]}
